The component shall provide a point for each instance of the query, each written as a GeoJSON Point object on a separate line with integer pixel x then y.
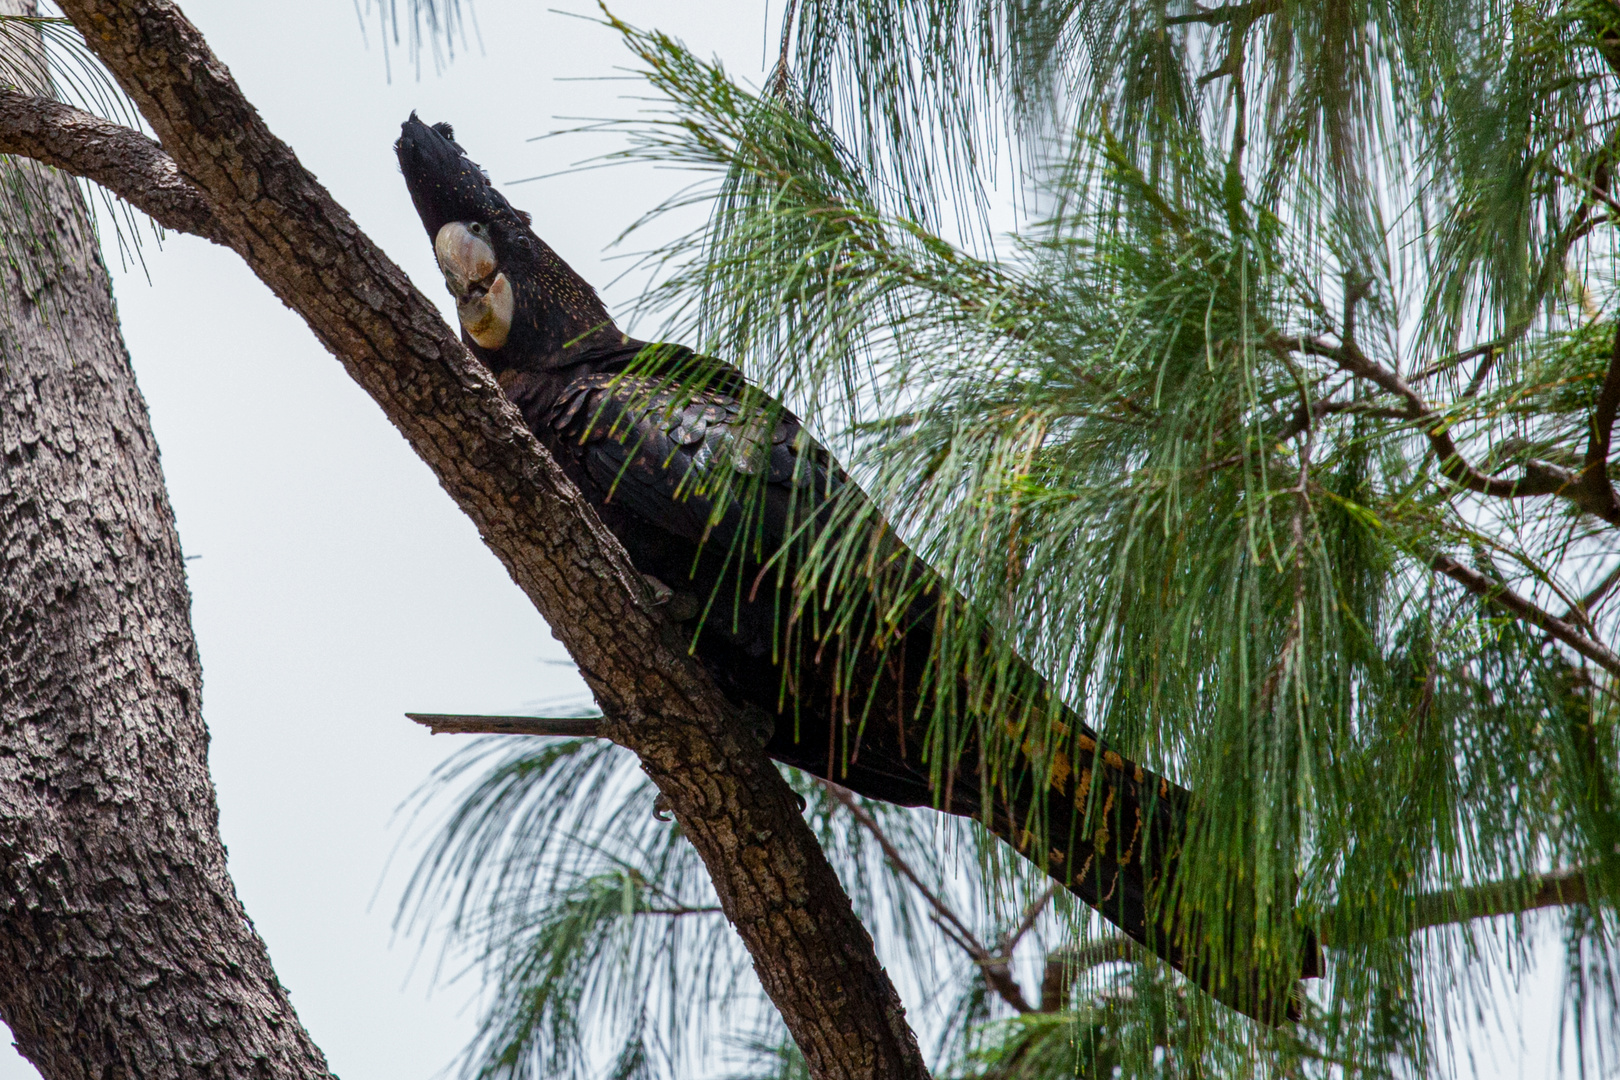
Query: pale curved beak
{"type": "Point", "coordinates": [484, 300]}
{"type": "Point", "coordinates": [465, 258]}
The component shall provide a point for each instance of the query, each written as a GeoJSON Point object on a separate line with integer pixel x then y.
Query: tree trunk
{"type": "Point", "coordinates": [774, 882]}
{"type": "Point", "coordinates": [123, 948]}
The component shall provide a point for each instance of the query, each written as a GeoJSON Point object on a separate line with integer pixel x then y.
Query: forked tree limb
{"type": "Point", "coordinates": [813, 956]}
{"type": "Point", "coordinates": [1456, 468]}
{"type": "Point", "coordinates": [1584, 611]}
{"type": "Point", "coordinates": [1589, 489]}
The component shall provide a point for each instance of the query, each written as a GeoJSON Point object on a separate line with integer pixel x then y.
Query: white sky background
{"type": "Point", "coordinates": [335, 585]}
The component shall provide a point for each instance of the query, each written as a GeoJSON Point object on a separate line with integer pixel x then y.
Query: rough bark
{"type": "Point", "coordinates": [123, 948]}
{"type": "Point", "coordinates": [813, 956]}
{"type": "Point", "coordinates": [123, 161]}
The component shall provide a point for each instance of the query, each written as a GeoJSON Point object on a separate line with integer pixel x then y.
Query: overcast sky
{"type": "Point", "coordinates": [335, 586]}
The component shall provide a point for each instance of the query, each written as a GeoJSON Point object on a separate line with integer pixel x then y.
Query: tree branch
{"type": "Point", "coordinates": [1540, 477]}
{"type": "Point", "coordinates": [997, 968]}
{"type": "Point", "coordinates": [1592, 190]}
{"type": "Point", "coordinates": [1009, 941]}
{"type": "Point", "coordinates": [812, 955]}
{"type": "Point", "coordinates": [1590, 600]}
{"type": "Point", "coordinates": [1479, 902]}
{"type": "Point", "coordinates": [568, 727]}
{"type": "Point", "coordinates": [122, 160]}
{"type": "Point", "coordinates": [1446, 363]}
{"type": "Point", "coordinates": [1064, 966]}
{"type": "Point", "coordinates": [1520, 607]}
{"type": "Point", "coordinates": [1499, 898]}
{"type": "Point", "coordinates": [1426, 911]}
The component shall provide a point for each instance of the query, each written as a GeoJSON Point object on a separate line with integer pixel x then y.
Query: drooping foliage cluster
{"type": "Point", "coordinates": [1252, 370]}
{"type": "Point", "coordinates": [44, 56]}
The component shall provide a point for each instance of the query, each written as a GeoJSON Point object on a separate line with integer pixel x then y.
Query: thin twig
{"type": "Point", "coordinates": [1425, 912]}
{"type": "Point", "coordinates": [677, 912]}
{"type": "Point", "coordinates": [571, 727]}
{"type": "Point", "coordinates": [996, 968]}
{"type": "Point", "coordinates": [1486, 363]}
{"type": "Point", "coordinates": [1446, 363]}
{"type": "Point", "coordinates": [1543, 478]}
{"type": "Point", "coordinates": [1592, 190]}
{"type": "Point", "coordinates": [1010, 940]}
{"type": "Point", "coordinates": [892, 853]}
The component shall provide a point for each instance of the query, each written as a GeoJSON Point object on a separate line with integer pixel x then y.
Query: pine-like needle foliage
{"type": "Point", "coordinates": [1276, 434]}
{"type": "Point", "coordinates": [601, 943]}
{"type": "Point", "coordinates": [45, 56]}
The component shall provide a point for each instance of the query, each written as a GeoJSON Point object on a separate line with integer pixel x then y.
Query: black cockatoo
{"type": "Point", "coordinates": [657, 438]}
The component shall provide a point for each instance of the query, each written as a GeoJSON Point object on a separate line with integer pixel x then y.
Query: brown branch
{"type": "Point", "coordinates": [1464, 905]}
{"type": "Point", "coordinates": [996, 967]}
{"type": "Point", "coordinates": [1452, 464]}
{"type": "Point", "coordinates": [1593, 191]}
{"type": "Point", "coordinates": [677, 912]}
{"type": "Point", "coordinates": [812, 955]}
{"type": "Point", "coordinates": [847, 799]}
{"type": "Point", "coordinates": [1584, 611]}
{"type": "Point", "coordinates": [1540, 477]}
{"type": "Point", "coordinates": [122, 160]}
{"type": "Point", "coordinates": [1486, 363]}
{"type": "Point", "coordinates": [1359, 408]}
{"type": "Point", "coordinates": [1446, 363]}
{"type": "Point", "coordinates": [1065, 965]}
{"type": "Point", "coordinates": [568, 727]}
{"type": "Point", "coordinates": [1009, 941]}
{"type": "Point", "coordinates": [1499, 898]}
{"type": "Point", "coordinates": [1522, 608]}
